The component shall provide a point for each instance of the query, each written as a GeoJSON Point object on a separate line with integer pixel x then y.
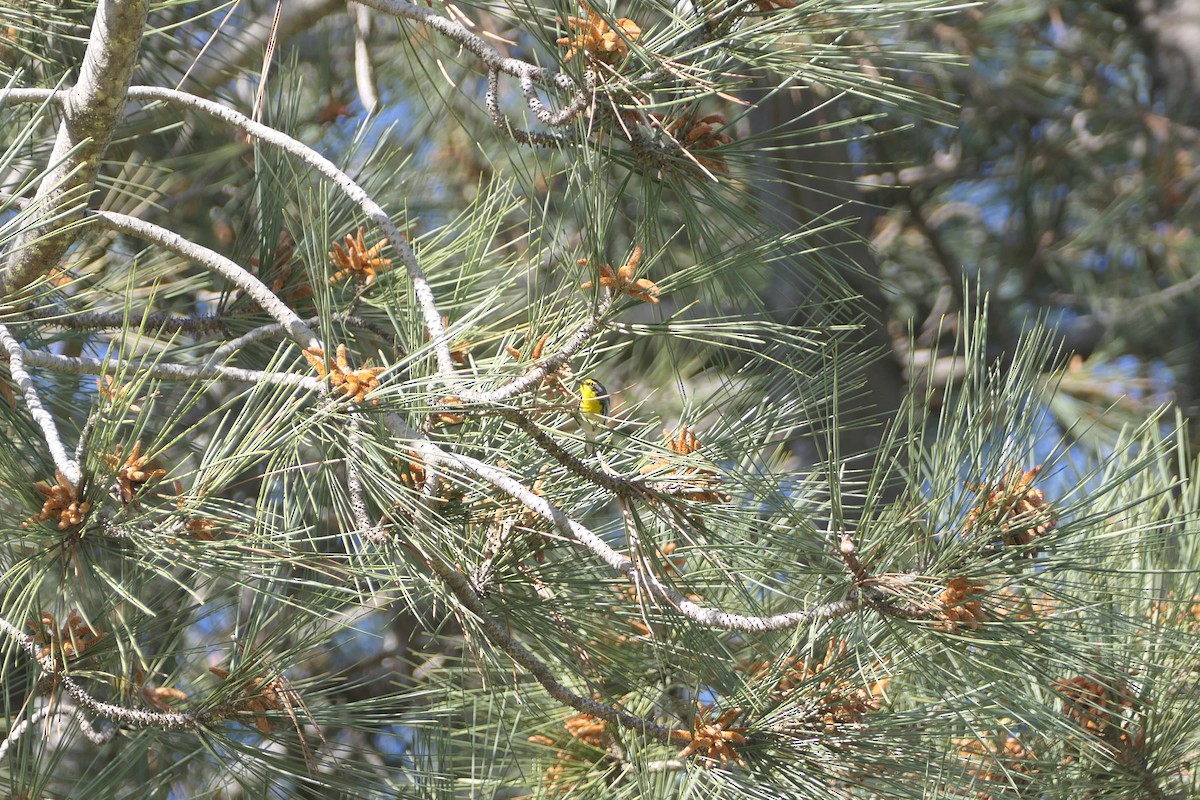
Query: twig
{"type": "Point", "coordinates": [421, 287]}
{"type": "Point", "coordinates": [18, 729]}
{"type": "Point", "coordinates": [879, 592]}
{"type": "Point", "coordinates": [94, 736]}
{"type": "Point", "coordinates": [847, 551]}
{"type": "Point", "coordinates": [134, 717]}
{"type": "Point", "coordinates": [647, 486]}
{"type": "Point", "coordinates": [101, 320]}
{"type": "Point", "coordinates": [653, 767]}
{"type": "Point", "coordinates": [375, 212]}
{"type": "Point", "coordinates": [492, 100]}
{"type": "Point", "coordinates": [264, 331]}
{"type": "Point", "coordinates": [354, 486]}
{"type": "Point", "coordinates": [565, 116]}
{"type": "Point", "coordinates": [16, 366]}
{"type": "Point", "coordinates": [577, 532]}
{"type": "Point", "coordinates": [490, 56]}
{"type": "Point", "coordinates": [617, 484]}
{"type": "Point", "coordinates": [951, 267]}
{"type": "Point", "coordinates": [82, 365]}
{"type": "Point", "coordinates": [214, 261]}
{"type": "Point", "coordinates": [364, 73]}
{"type": "Point", "coordinates": [547, 366]}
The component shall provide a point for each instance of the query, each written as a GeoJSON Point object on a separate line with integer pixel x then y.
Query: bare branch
{"type": "Point", "coordinates": [82, 365]}
{"type": "Point", "coordinates": [492, 100]}
{"type": "Point", "coordinates": [212, 260]}
{"type": "Point", "coordinates": [16, 366]}
{"type": "Point", "coordinates": [102, 320]}
{"type": "Point", "coordinates": [491, 57]}
{"type": "Point", "coordinates": [19, 729]}
{"type": "Point", "coordinates": [354, 486]}
{"type": "Point", "coordinates": [559, 119]}
{"type": "Point", "coordinates": [364, 73]}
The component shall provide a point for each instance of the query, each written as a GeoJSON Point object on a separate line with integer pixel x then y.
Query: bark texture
{"type": "Point", "coordinates": [91, 111]}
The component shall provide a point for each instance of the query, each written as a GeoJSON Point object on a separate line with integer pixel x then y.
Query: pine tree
{"type": "Point", "coordinates": [303, 500]}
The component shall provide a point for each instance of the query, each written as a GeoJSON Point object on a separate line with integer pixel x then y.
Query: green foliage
{"type": "Point", "coordinates": [353, 538]}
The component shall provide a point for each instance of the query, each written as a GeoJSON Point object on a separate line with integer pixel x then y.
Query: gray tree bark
{"type": "Point", "coordinates": [828, 195]}
{"type": "Point", "coordinates": [1172, 31]}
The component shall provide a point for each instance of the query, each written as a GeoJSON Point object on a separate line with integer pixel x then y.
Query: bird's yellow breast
{"type": "Point", "coordinates": [593, 398]}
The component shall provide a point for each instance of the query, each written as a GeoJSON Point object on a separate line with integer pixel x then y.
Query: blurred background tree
{"type": "Point", "coordinates": [1066, 191]}
{"type": "Point", "coordinates": [892, 304]}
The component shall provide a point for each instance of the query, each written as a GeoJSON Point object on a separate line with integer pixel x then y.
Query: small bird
{"type": "Point", "coordinates": [593, 398]}
{"type": "Point", "coordinates": [593, 413]}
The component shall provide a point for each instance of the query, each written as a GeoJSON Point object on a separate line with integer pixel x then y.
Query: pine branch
{"type": "Point", "coordinates": [425, 298]}
{"type": "Point", "coordinates": [133, 717]}
{"type": "Point", "coordinates": [297, 329]}
{"type": "Point", "coordinates": [17, 356]}
{"type": "Point", "coordinates": [577, 532]}
{"type": "Point", "coordinates": [91, 111]}
{"type": "Point", "coordinates": [163, 371]}
{"type": "Point", "coordinates": [492, 59]}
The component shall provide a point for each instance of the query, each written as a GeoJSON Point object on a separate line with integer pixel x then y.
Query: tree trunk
{"type": "Point", "coordinates": [827, 196]}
